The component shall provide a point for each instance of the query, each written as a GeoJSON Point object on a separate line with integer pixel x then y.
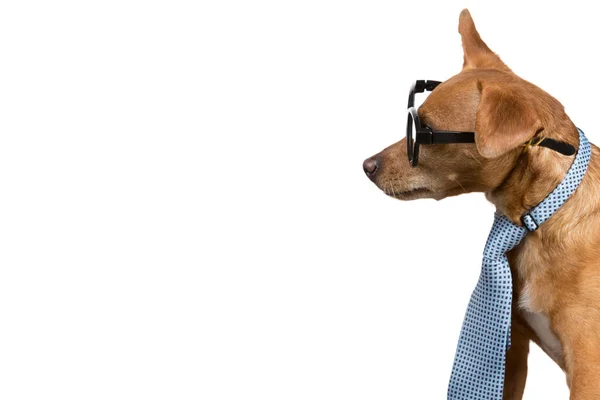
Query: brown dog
{"type": "Point", "coordinates": [556, 269]}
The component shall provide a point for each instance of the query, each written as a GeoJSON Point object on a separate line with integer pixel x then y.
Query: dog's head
{"type": "Point", "coordinates": [487, 98]}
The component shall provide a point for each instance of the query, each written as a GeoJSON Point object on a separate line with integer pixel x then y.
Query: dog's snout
{"type": "Point", "coordinates": [370, 166]}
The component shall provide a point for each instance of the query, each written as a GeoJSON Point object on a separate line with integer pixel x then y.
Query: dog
{"type": "Point", "coordinates": [556, 269]}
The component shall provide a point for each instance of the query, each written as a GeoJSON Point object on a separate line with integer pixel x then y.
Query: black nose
{"type": "Point", "coordinates": [370, 165]}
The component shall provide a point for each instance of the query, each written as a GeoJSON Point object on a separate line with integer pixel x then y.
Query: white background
{"type": "Point", "coordinates": [183, 212]}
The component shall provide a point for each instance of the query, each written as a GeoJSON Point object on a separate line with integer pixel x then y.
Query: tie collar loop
{"type": "Point", "coordinates": [532, 219]}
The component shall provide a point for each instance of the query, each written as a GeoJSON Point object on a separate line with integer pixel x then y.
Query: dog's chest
{"type": "Point", "coordinates": [540, 324]}
{"type": "Point", "coordinates": [531, 304]}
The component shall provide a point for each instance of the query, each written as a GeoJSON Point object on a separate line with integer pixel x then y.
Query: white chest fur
{"type": "Point", "coordinates": [540, 324]}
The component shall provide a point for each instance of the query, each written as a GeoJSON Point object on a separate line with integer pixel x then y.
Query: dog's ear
{"type": "Point", "coordinates": [477, 54]}
{"type": "Point", "coordinates": [505, 119]}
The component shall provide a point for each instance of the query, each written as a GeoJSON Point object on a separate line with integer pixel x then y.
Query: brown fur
{"type": "Point", "coordinates": [556, 269]}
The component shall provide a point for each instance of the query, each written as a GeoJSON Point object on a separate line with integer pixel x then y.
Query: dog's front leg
{"type": "Point", "coordinates": [516, 362]}
{"type": "Point", "coordinates": [583, 367]}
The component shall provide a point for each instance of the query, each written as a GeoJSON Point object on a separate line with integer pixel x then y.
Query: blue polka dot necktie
{"type": "Point", "coordinates": [478, 370]}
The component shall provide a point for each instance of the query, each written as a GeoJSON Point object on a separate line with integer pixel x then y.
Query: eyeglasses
{"type": "Point", "coordinates": [424, 134]}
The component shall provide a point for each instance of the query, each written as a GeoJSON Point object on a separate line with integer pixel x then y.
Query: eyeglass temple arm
{"type": "Point", "coordinates": [444, 137]}
{"type": "Point", "coordinates": [422, 86]}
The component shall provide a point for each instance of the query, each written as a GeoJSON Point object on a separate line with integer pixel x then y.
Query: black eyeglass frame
{"type": "Point", "coordinates": [423, 133]}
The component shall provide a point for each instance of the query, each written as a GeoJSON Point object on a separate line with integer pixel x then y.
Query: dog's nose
{"type": "Point", "coordinates": [370, 166]}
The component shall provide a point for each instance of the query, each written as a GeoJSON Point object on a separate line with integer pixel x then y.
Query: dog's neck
{"type": "Point", "coordinates": [534, 175]}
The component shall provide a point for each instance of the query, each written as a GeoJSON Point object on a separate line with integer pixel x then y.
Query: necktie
{"type": "Point", "coordinates": [478, 370]}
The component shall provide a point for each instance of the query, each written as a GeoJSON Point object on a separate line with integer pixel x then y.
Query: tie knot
{"type": "Point", "coordinates": [503, 237]}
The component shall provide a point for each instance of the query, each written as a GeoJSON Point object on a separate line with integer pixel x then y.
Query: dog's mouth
{"type": "Point", "coordinates": [411, 194]}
